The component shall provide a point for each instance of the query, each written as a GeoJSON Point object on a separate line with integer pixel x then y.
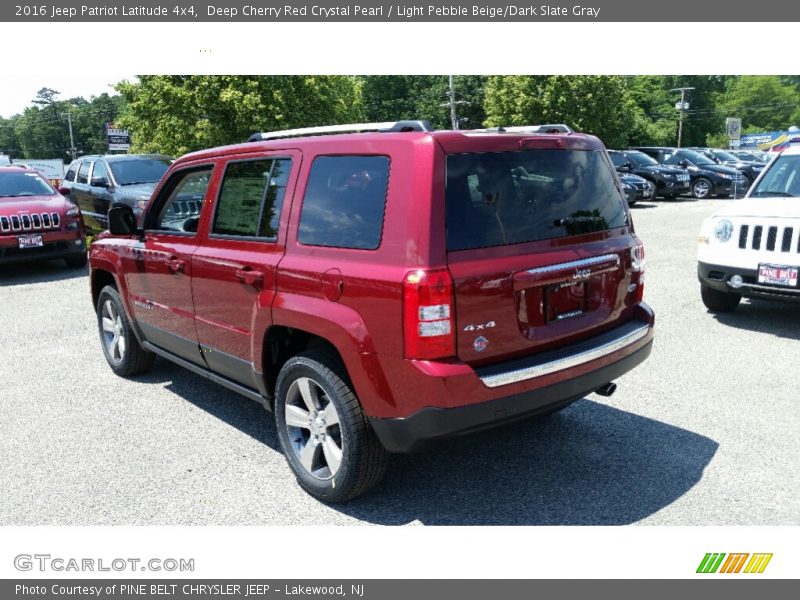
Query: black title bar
{"type": "Point", "coordinates": [277, 11]}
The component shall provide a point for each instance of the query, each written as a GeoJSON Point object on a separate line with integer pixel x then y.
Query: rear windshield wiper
{"type": "Point", "coordinates": [773, 193]}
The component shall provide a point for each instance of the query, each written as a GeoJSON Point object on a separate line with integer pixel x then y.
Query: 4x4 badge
{"type": "Point", "coordinates": [480, 326]}
{"type": "Point", "coordinates": [480, 343]}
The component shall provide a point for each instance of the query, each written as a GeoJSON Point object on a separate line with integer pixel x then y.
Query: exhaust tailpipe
{"type": "Point", "coordinates": [607, 389]}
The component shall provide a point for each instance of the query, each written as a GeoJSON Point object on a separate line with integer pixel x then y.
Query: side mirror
{"type": "Point", "coordinates": [122, 221]}
{"type": "Point", "coordinates": [64, 191]}
{"type": "Point", "coordinates": [684, 163]}
{"type": "Point", "coordinates": [99, 182]}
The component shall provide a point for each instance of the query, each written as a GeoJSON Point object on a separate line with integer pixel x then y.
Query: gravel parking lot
{"type": "Point", "coordinates": [704, 433]}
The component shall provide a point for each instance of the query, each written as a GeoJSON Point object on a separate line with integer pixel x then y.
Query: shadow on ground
{"type": "Point", "coordinates": [39, 272]}
{"type": "Point", "coordinates": [781, 319]}
{"type": "Point", "coordinates": [591, 464]}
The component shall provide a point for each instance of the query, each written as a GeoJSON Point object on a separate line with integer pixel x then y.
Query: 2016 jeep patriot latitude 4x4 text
{"type": "Point", "coordinates": [383, 286]}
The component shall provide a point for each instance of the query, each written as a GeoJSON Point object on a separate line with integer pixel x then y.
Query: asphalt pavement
{"type": "Point", "coordinates": [704, 433]}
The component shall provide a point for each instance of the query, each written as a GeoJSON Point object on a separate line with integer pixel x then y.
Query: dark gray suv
{"type": "Point", "coordinates": [96, 183]}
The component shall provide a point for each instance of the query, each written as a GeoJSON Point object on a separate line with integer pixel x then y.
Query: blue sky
{"type": "Point", "coordinates": [19, 89]}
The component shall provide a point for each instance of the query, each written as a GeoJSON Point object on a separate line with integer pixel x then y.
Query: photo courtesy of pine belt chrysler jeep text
{"type": "Point", "coordinates": [380, 286]}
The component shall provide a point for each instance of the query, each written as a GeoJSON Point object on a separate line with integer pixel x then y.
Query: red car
{"type": "Point", "coordinates": [381, 286]}
{"type": "Point", "coordinates": [36, 222]}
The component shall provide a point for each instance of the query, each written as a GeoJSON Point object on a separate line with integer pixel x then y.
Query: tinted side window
{"type": "Point", "coordinates": [273, 203]}
{"type": "Point", "coordinates": [181, 211]}
{"type": "Point", "coordinates": [251, 198]}
{"type": "Point", "coordinates": [83, 172]}
{"type": "Point", "coordinates": [344, 202]}
{"type": "Point", "coordinates": [99, 170]}
{"type": "Point", "coordinates": [73, 170]}
{"type": "Point", "coordinates": [618, 160]}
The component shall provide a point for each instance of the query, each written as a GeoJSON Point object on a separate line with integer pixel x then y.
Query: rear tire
{"type": "Point", "coordinates": [325, 436]}
{"type": "Point", "coordinates": [719, 302]}
{"type": "Point", "coordinates": [121, 348]}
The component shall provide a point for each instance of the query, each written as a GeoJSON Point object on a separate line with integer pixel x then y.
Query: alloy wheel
{"type": "Point", "coordinates": [312, 424]}
{"type": "Point", "coordinates": [701, 188]}
{"type": "Point", "coordinates": [113, 332]}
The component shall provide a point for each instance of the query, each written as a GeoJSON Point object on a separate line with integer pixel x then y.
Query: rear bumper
{"type": "Point", "coordinates": [554, 379]}
{"type": "Point", "coordinates": [722, 187]}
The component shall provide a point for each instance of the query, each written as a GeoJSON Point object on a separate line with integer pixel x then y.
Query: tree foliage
{"type": "Point", "coordinates": [178, 114]}
{"type": "Point", "coordinates": [425, 97]}
{"type": "Point", "coordinates": [763, 102]}
{"type": "Point", "coordinates": [600, 105]}
{"type": "Point", "coordinates": [42, 129]}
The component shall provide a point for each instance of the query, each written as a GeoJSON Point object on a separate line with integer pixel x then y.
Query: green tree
{"type": "Point", "coordinates": [425, 97]}
{"type": "Point", "coordinates": [596, 104]}
{"type": "Point", "coordinates": [42, 129]}
{"type": "Point", "coordinates": [763, 102]}
{"type": "Point", "coordinates": [656, 96]}
{"type": "Point", "coordinates": [8, 138]}
{"type": "Point", "coordinates": [89, 121]}
{"type": "Point", "coordinates": [178, 114]}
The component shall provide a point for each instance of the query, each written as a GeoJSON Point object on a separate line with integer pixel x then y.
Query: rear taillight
{"type": "Point", "coordinates": [637, 267]}
{"type": "Point", "coordinates": [428, 314]}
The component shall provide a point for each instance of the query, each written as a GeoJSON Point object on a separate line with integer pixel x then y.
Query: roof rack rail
{"type": "Point", "coordinates": [385, 127]}
{"type": "Point", "coordinates": [550, 128]}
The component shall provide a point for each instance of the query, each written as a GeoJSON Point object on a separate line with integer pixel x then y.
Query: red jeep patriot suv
{"type": "Point", "coordinates": [379, 286]}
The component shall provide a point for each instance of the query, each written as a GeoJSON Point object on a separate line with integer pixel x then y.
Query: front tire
{"type": "Point", "coordinates": [121, 348]}
{"type": "Point", "coordinates": [323, 432]}
{"type": "Point", "coordinates": [719, 302]}
{"type": "Point", "coordinates": [702, 188]}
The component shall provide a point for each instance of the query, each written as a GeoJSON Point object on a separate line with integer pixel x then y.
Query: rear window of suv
{"type": "Point", "coordinates": [501, 198]}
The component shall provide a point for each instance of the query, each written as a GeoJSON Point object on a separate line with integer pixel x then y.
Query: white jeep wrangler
{"type": "Point", "coordinates": [752, 246]}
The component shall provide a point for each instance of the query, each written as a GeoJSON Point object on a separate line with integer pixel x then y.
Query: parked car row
{"type": "Point", "coordinates": [667, 181]}
{"type": "Point", "coordinates": [701, 172]}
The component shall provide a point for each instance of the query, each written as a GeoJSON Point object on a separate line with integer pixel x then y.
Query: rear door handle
{"type": "Point", "coordinates": [249, 276]}
{"type": "Point", "coordinates": [176, 265]}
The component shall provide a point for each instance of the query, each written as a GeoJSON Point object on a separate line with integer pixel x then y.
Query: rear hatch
{"type": "Point", "coordinates": [539, 246]}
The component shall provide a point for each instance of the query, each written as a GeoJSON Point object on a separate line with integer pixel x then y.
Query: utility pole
{"type": "Point", "coordinates": [73, 151]}
{"type": "Point", "coordinates": [71, 139]}
{"type": "Point", "coordinates": [452, 104]}
{"type": "Point", "coordinates": [682, 106]}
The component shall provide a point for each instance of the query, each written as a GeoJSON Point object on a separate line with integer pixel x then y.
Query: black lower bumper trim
{"type": "Point", "coordinates": [717, 277]}
{"type": "Point", "coordinates": [418, 431]}
{"type": "Point", "coordinates": [41, 256]}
